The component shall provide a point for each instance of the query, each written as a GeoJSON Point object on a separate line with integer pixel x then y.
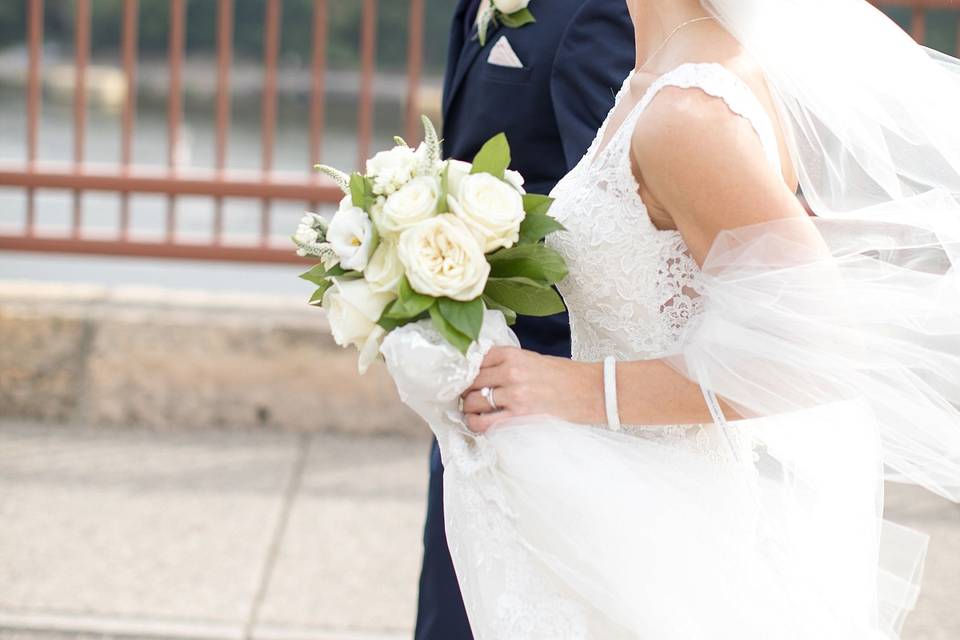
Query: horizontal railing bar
{"type": "Point", "coordinates": [239, 184]}
{"type": "Point", "coordinates": [141, 249]}
{"type": "Point", "coordinates": [919, 4]}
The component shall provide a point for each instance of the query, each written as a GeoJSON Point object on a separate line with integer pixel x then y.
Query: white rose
{"type": "Point", "coordinates": [443, 258]}
{"type": "Point", "coordinates": [351, 236]}
{"type": "Point", "coordinates": [412, 203]}
{"type": "Point", "coordinates": [371, 349]}
{"type": "Point", "coordinates": [492, 209]}
{"type": "Point", "coordinates": [353, 309]}
{"type": "Point", "coordinates": [384, 270]}
{"type": "Point", "coordinates": [391, 169]}
{"type": "Point", "coordinates": [457, 170]}
{"type": "Point", "coordinates": [515, 180]}
{"type": "Point", "coordinates": [510, 6]}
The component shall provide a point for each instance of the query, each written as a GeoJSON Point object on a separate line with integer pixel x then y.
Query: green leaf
{"type": "Point", "coordinates": [317, 297]}
{"type": "Point", "coordinates": [459, 341]}
{"type": "Point", "coordinates": [444, 188]}
{"type": "Point", "coordinates": [319, 274]}
{"type": "Point", "coordinates": [534, 203]}
{"type": "Point", "coordinates": [525, 296]}
{"type": "Point", "coordinates": [493, 157]}
{"type": "Point", "coordinates": [389, 323]}
{"type": "Point", "coordinates": [465, 317]}
{"type": "Point", "coordinates": [409, 304]}
{"type": "Point", "coordinates": [534, 261]}
{"type": "Point", "coordinates": [507, 312]}
{"type": "Point", "coordinates": [517, 18]}
{"type": "Point", "coordinates": [537, 226]}
{"type": "Point", "coordinates": [361, 191]}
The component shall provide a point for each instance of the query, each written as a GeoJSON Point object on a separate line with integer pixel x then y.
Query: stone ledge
{"type": "Point", "coordinates": [166, 359]}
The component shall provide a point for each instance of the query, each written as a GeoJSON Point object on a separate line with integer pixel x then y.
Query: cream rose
{"type": "Point", "coordinates": [443, 259]}
{"type": "Point", "coordinates": [351, 235]}
{"type": "Point", "coordinates": [412, 203]}
{"type": "Point", "coordinates": [371, 349]}
{"type": "Point", "coordinates": [510, 6]}
{"type": "Point", "coordinates": [384, 270]}
{"type": "Point", "coordinates": [492, 208]}
{"type": "Point", "coordinates": [457, 170]}
{"type": "Point", "coordinates": [353, 309]}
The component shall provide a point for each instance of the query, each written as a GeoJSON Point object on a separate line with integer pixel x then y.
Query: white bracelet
{"type": "Point", "coordinates": [610, 392]}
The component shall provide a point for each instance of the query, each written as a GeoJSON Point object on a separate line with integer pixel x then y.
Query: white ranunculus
{"type": "Point", "coordinates": [306, 234]}
{"type": "Point", "coordinates": [353, 309]}
{"type": "Point", "coordinates": [391, 169]}
{"type": "Point", "coordinates": [384, 270]}
{"type": "Point", "coordinates": [412, 203]}
{"type": "Point", "coordinates": [351, 234]}
{"type": "Point", "coordinates": [443, 258]}
{"type": "Point", "coordinates": [510, 6]}
{"type": "Point", "coordinates": [492, 208]}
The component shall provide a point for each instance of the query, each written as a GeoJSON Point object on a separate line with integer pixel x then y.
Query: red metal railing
{"type": "Point", "coordinates": [918, 28]}
{"type": "Point", "coordinates": [221, 182]}
{"type": "Point", "coordinates": [125, 178]}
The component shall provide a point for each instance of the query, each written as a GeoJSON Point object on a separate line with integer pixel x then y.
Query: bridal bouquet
{"type": "Point", "coordinates": [417, 238]}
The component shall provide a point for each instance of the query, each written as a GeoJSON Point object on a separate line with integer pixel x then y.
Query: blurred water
{"type": "Point", "coordinates": [194, 215]}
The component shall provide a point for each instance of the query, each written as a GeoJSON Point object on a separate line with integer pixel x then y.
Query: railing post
{"type": "Point", "coordinates": [414, 69]}
{"type": "Point", "coordinates": [318, 69]}
{"type": "Point", "coordinates": [224, 58]}
{"type": "Point", "coordinates": [35, 48]}
{"type": "Point", "coordinates": [129, 47]}
{"type": "Point", "coordinates": [368, 44]}
{"type": "Point", "coordinates": [271, 47]}
{"type": "Point", "coordinates": [81, 54]}
{"type": "Point", "coordinates": [919, 29]}
{"type": "Point", "coordinates": [174, 102]}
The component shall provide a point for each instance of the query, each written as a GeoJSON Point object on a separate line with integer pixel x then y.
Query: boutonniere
{"type": "Point", "coordinates": [509, 13]}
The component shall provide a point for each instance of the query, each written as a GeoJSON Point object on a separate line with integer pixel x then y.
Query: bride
{"type": "Point", "coordinates": [710, 464]}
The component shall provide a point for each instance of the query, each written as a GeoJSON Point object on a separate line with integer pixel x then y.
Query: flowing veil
{"type": "Point", "coordinates": [860, 304]}
{"type": "Point", "coordinates": [872, 118]}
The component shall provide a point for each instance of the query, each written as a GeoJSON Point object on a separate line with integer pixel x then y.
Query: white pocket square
{"type": "Point", "coordinates": [503, 55]}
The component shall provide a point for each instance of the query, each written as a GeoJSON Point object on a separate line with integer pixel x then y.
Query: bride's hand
{"type": "Point", "coordinates": [527, 383]}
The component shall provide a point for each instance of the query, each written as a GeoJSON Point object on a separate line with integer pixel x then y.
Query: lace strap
{"type": "Point", "coordinates": [718, 81]}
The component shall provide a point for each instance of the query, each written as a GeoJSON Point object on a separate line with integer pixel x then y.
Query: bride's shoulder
{"type": "Point", "coordinates": [694, 118]}
{"type": "Point", "coordinates": [700, 163]}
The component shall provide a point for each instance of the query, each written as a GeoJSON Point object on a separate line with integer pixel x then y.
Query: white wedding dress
{"type": "Point", "coordinates": [764, 529]}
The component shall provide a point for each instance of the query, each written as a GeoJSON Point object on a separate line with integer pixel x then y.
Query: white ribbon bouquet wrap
{"type": "Point", "coordinates": [431, 374]}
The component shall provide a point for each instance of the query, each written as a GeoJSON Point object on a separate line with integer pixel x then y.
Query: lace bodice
{"type": "Point", "coordinates": [632, 288]}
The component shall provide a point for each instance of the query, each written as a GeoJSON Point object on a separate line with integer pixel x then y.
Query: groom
{"type": "Point", "coordinates": [547, 84]}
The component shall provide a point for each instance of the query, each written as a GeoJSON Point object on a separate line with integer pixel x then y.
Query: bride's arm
{"type": "Point", "coordinates": [703, 171]}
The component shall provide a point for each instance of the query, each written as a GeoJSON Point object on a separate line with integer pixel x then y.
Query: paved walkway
{"type": "Point", "coordinates": [272, 536]}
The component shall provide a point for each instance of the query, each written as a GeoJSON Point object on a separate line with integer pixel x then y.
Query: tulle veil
{"type": "Point", "coordinates": [860, 304]}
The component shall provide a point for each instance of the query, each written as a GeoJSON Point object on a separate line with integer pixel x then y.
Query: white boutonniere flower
{"type": "Point", "coordinates": [509, 13]}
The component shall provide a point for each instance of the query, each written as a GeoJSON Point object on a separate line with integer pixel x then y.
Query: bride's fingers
{"type": "Point", "coordinates": [488, 377]}
{"type": "Point", "coordinates": [497, 356]}
{"type": "Point", "coordinates": [481, 422]}
{"type": "Point", "coordinates": [474, 402]}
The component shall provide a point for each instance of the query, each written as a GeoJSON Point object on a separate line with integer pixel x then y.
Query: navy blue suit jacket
{"type": "Point", "coordinates": [575, 57]}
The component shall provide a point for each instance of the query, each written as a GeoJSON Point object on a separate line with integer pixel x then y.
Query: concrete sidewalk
{"type": "Point", "coordinates": [208, 534]}
{"type": "Point", "coordinates": [222, 535]}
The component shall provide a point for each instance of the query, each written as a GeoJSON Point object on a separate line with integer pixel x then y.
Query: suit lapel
{"type": "Point", "coordinates": [470, 48]}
